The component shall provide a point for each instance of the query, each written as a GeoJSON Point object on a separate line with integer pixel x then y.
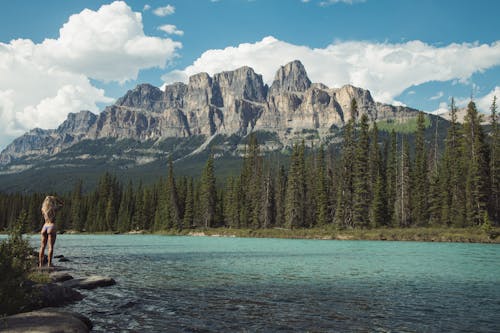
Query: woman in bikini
{"type": "Point", "coordinates": [49, 207]}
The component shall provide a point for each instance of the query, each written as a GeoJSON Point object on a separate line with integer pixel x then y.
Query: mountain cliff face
{"type": "Point", "coordinates": [229, 103]}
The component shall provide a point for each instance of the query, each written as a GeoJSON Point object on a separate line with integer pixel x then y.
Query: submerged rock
{"type": "Point", "coordinates": [90, 282]}
{"type": "Point", "coordinates": [46, 321]}
{"type": "Point", "coordinates": [53, 294]}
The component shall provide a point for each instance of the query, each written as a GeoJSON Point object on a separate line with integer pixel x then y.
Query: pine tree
{"type": "Point", "coordinates": [269, 205]}
{"type": "Point", "coordinates": [208, 194]}
{"type": "Point", "coordinates": [435, 186]}
{"type": "Point", "coordinates": [110, 216]}
{"type": "Point", "coordinates": [392, 178]}
{"type": "Point", "coordinates": [321, 190]}
{"type": "Point", "coordinates": [126, 209]}
{"type": "Point", "coordinates": [403, 191]}
{"type": "Point", "coordinates": [361, 192]}
{"type": "Point", "coordinates": [495, 164]}
{"type": "Point", "coordinates": [149, 208]}
{"type": "Point", "coordinates": [375, 159]}
{"type": "Point", "coordinates": [378, 208]}
{"type": "Point", "coordinates": [295, 191]}
{"type": "Point", "coordinates": [175, 219]}
{"type": "Point", "coordinates": [310, 204]}
{"type": "Point", "coordinates": [188, 220]}
{"type": "Point", "coordinates": [451, 175]}
{"type": "Point", "coordinates": [377, 183]}
{"type": "Point", "coordinates": [345, 186]}
{"type": "Point", "coordinates": [162, 213]}
{"type": "Point", "coordinates": [252, 184]}
{"type": "Point", "coordinates": [420, 182]}
{"type": "Point", "coordinates": [354, 110]}
{"type": "Point", "coordinates": [475, 157]}
{"type": "Point", "coordinates": [281, 186]}
{"type": "Point", "coordinates": [232, 203]}
{"type": "Point", "coordinates": [76, 207]}
{"type": "Point", "coordinates": [139, 216]}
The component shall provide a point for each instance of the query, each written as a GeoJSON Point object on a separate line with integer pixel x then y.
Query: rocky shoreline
{"type": "Point", "coordinates": [42, 315]}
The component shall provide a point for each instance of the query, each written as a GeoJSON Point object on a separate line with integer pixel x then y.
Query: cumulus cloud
{"type": "Point", "coordinates": [386, 69]}
{"type": "Point", "coordinates": [484, 103]}
{"type": "Point", "coordinates": [171, 29]}
{"type": "Point", "coordinates": [146, 7]}
{"type": "Point", "coordinates": [437, 96]}
{"type": "Point", "coordinates": [41, 83]}
{"type": "Point", "coordinates": [164, 11]}
{"type": "Point", "coordinates": [442, 109]}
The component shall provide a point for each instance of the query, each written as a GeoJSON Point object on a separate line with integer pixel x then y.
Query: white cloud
{"type": "Point", "coordinates": [385, 69]}
{"type": "Point", "coordinates": [442, 109]}
{"type": "Point", "coordinates": [484, 103]}
{"type": "Point", "coordinates": [411, 92]}
{"type": "Point", "coordinates": [146, 7]}
{"type": "Point", "coordinates": [41, 83]}
{"type": "Point", "coordinates": [333, 2]}
{"type": "Point", "coordinates": [437, 96]}
{"type": "Point", "coordinates": [164, 11]}
{"type": "Point", "coordinates": [108, 44]}
{"type": "Point", "coordinates": [171, 29]}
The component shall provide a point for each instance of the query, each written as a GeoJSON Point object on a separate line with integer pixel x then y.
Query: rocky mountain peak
{"type": "Point", "coordinates": [174, 95]}
{"type": "Point", "coordinates": [228, 103]}
{"type": "Point", "coordinates": [200, 80]}
{"type": "Point", "coordinates": [79, 122]}
{"type": "Point", "coordinates": [144, 96]}
{"type": "Point", "coordinates": [241, 83]}
{"type": "Point", "coordinates": [290, 78]}
{"type": "Point", "coordinates": [363, 97]}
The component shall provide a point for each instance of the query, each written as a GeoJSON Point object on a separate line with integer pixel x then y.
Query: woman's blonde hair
{"type": "Point", "coordinates": [49, 207]}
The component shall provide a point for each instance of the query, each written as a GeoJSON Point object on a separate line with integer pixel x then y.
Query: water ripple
{"type": "Point", "coordinates": [189, 284]}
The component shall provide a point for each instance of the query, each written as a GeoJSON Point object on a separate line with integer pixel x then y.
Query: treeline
{"type": "Point", "coordinates": [368, 184]}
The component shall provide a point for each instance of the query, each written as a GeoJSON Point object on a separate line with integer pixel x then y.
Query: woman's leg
{"type": "Point", "coordinates": [52, 241]}
{"type": "Point", "coordinates": [41, 253]}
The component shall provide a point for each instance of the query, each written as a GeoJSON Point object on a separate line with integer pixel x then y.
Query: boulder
{"type": "Point", "coordinates": [53, 294]}
{"type": "Point", "coordinates": [90, 282]}
{"type": "Point", "coordinates": [46, 321]}
{"type": "Point", "coordinates": [60, 276]}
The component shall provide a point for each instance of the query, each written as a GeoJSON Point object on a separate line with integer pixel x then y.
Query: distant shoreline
{"type": "Point", "coordinates": [455, 235]}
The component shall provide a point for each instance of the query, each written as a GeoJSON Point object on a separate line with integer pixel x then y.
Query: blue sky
{"type": "Point", "coordinates": [61, 56]}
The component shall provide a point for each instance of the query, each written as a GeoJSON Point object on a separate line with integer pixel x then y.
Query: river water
{"type": "Point", "coordinates": [212, 284]}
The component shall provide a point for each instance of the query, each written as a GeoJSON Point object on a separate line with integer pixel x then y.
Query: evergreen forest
{"type": "Point", "coordinates": [367, 184]}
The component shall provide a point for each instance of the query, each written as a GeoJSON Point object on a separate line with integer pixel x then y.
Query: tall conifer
{"type": "Point", "coordinates": [361, 182]}
{"type": "Point", "coordinates": [208, 194]}
{"type": "Point", "coordinates": [495, 164]}
{"type": "Point", "coordinates": [420, 182]}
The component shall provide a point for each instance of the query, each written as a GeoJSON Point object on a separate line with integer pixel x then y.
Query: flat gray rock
{"type": "Point", "coordinates": [90, 282]}
{"type": "Point", "coordinates": [60, 276]}
{"type": "Point", "coordinates": [46, 321]}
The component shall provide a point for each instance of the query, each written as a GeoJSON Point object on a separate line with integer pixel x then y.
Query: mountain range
{"type": "Point", "coordinates": [148, 124]}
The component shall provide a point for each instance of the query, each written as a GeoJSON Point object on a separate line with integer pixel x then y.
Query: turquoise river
{"type": "Point", "coordinates": [215, 284]}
